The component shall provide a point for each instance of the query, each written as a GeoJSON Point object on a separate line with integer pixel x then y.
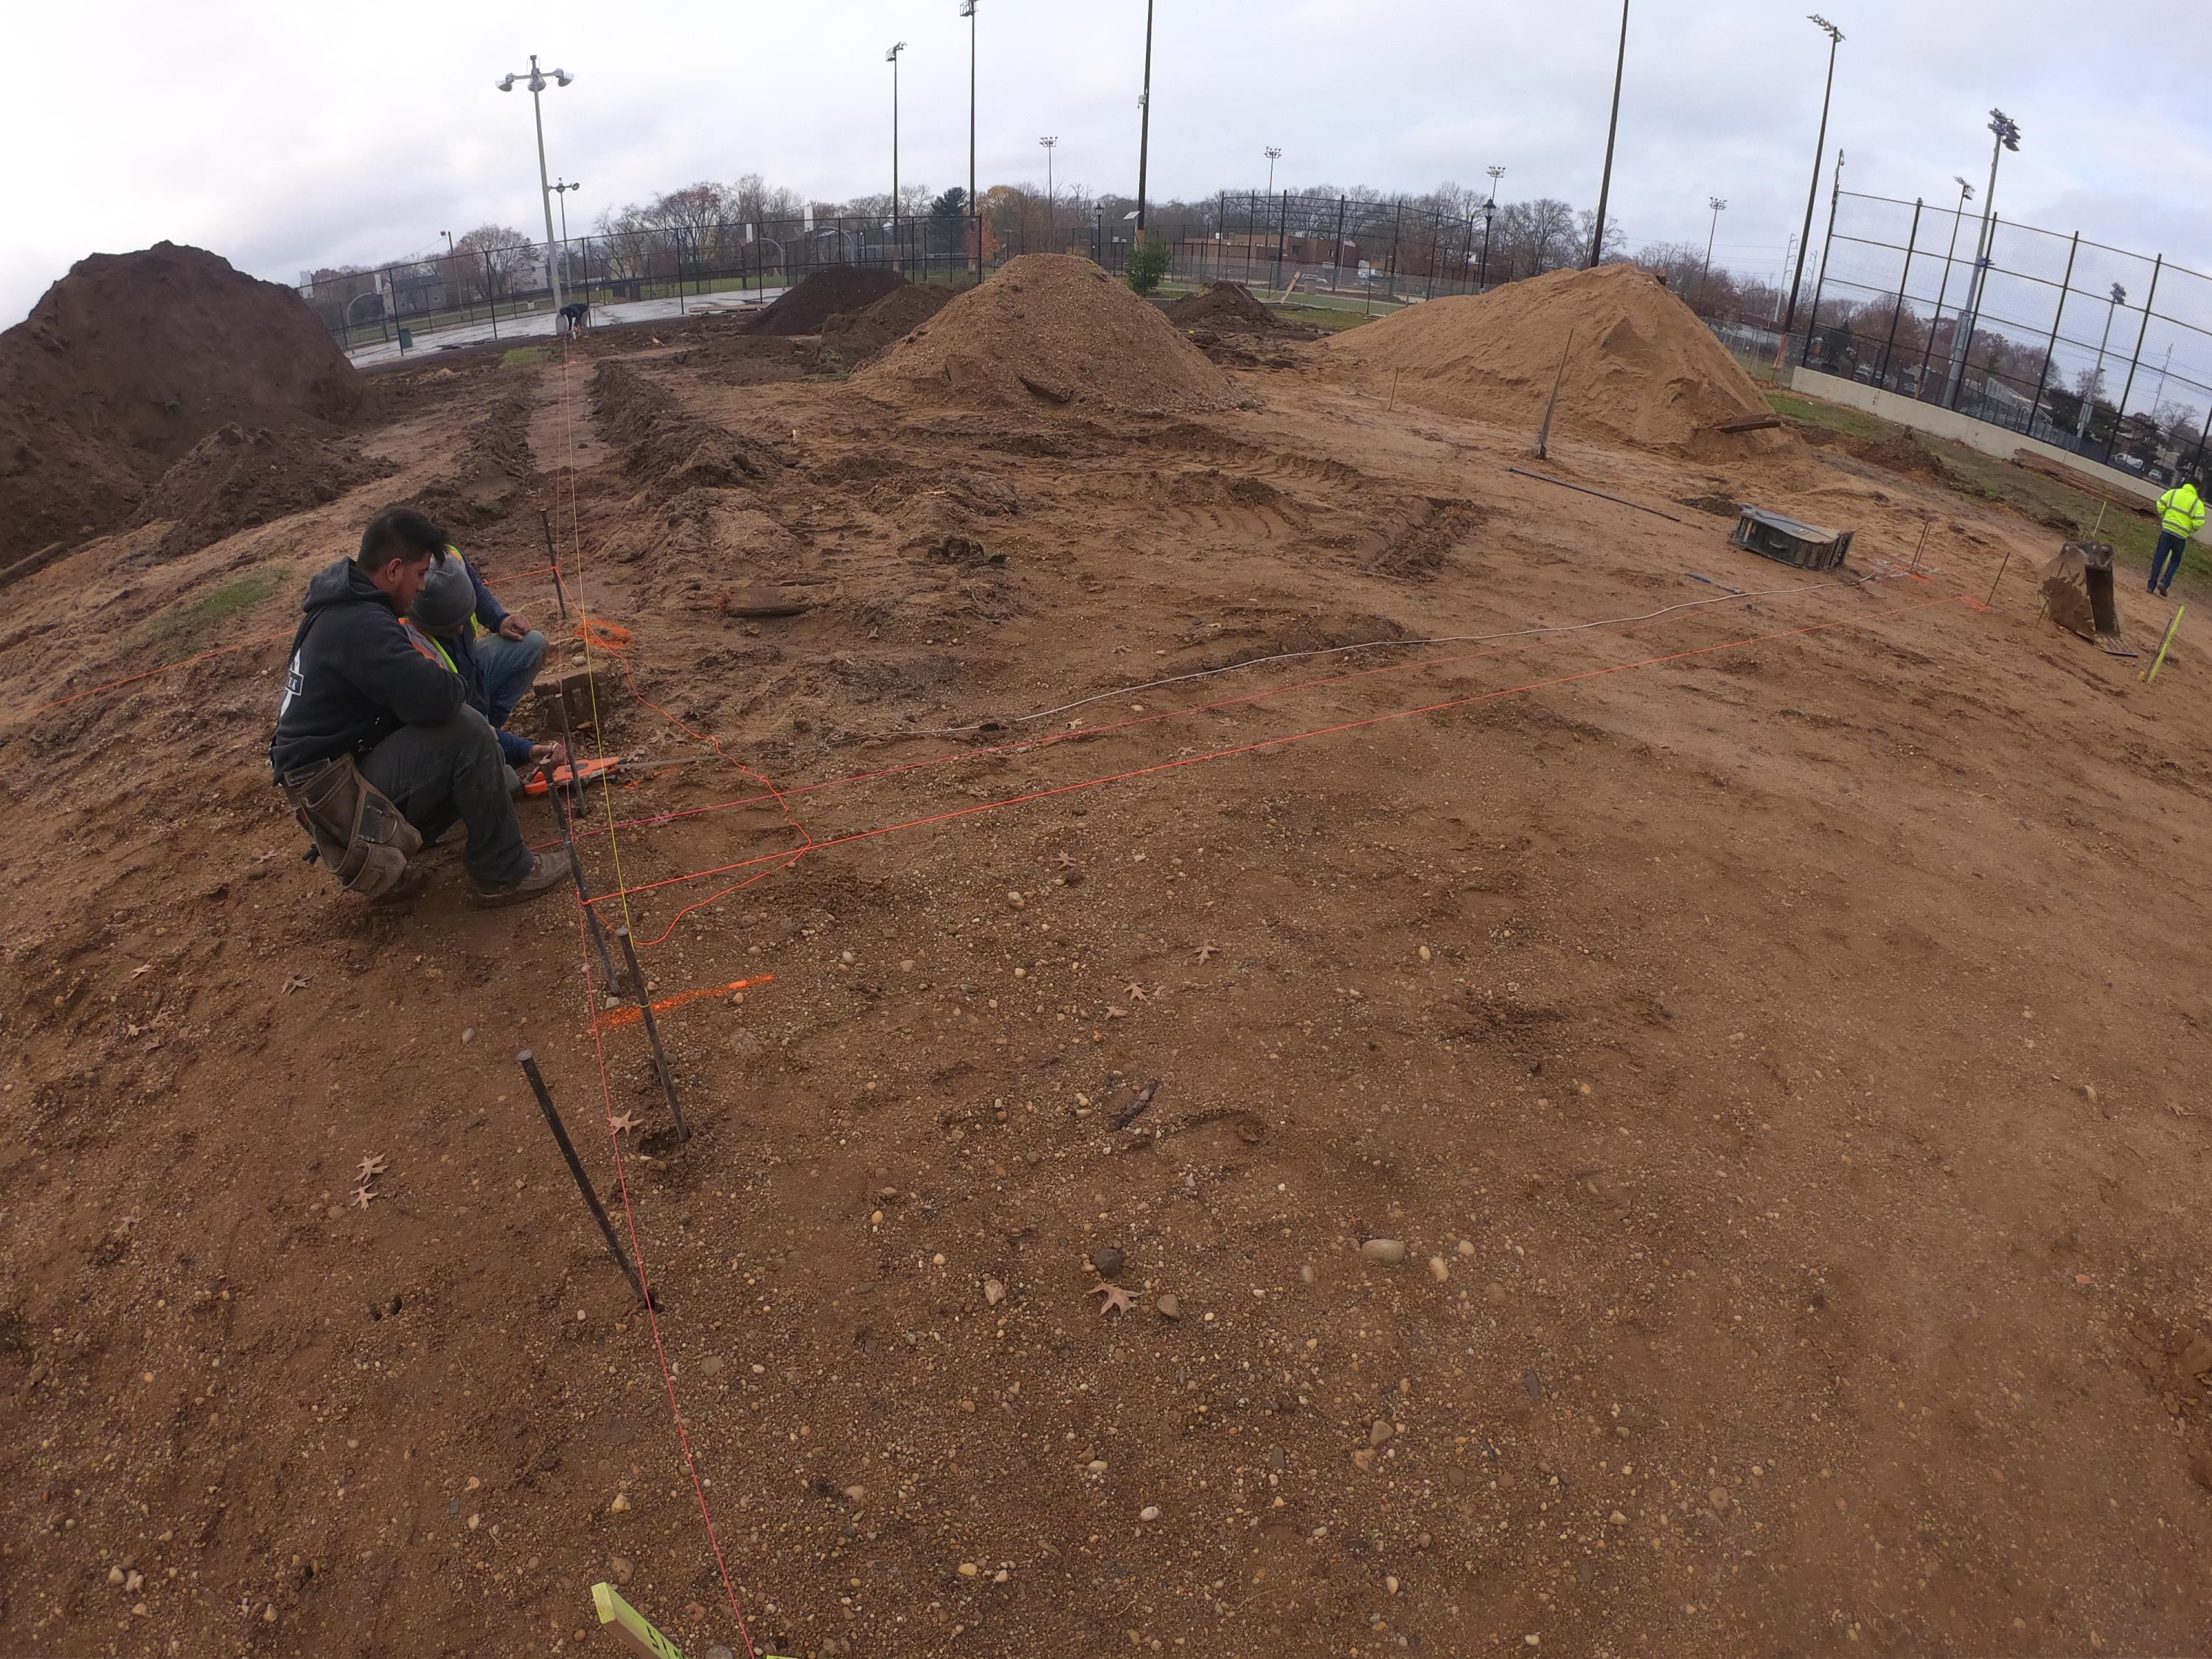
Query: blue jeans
{"type": "Point", "coordinates": [510, 668]}
{"type": "Point", "coordinates": [2167, 542]}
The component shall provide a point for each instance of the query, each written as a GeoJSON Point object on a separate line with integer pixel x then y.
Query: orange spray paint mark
{"type": "Point", "coordinates": [632, 1015]}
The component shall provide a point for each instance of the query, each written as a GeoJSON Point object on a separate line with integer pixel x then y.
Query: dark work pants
{"type": "Point", "coordinates": [2168, 543]}
{"type": "Point", "coordinates": [439, 775]}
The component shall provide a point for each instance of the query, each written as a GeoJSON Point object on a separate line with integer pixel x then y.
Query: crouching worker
{"type": "Point", "coordinates": [496, 667]}
{"type": "Point", "coordinates": [377, 747]}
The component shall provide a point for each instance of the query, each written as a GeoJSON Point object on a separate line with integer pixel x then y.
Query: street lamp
{"type": "Point", "coordinates": [1612, 127]}
{"type": "Point", "coordinates": [967, 11]}
{"type": "Point", "coordinates": [562, 191]}
{"type": "Point", "coordinates": [1489, 213]}
{"type": "Point", "coordinates": [2006, 133]}
{"type": "Point", "coordinates": [1719, 205]}
{"type": "Point", "coordinates": [448, 236]}
{"type": "Point", "coordinates": [892, 58]}
{"type": "Point", "coordinates": [1048, 143]}
{"type": "Point", "coordinates": [536, 81]}
{"type": "Point", "coordinates": [1819, 149]}
{"type": "Point", "coordinates": [1144, 119]}
{"type": "Point", "coordinates": [1274, 153]}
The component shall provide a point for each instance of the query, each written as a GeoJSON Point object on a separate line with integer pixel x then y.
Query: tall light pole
{"type": "Point", "coordinates": [1820, 150]}
{"type": "Point", "coordinates": [1719, 205]}
{"type": "Point", "coordinates": [1274, 154]}
{"type": "Point", "coordinates": [1489, 213]}
{"type": "Point", "coordinates": [1144, 119]}
{"type": "Point", "coordinates": [975, 212]}
{"type": "Point", "coordinates": [2119, 297]}
{"type": "Point", "coordinates": [536, 81]}
{"type": "Point", "coordinates": [1048, 143]}
{"type": "Point", "coordinates": [2007, 131]}
{"type": "Point", "coordinates": [448, 236]}
{"type": "Point", "coordinates": [1612, 128]}
{"type": "Point", "coordinates": [562, 190]}
{"type": "Point", "coordinates": [892, 58]}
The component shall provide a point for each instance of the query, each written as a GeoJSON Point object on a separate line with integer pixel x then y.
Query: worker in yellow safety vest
{"type": "Point", "coordinates": [2180, 515]}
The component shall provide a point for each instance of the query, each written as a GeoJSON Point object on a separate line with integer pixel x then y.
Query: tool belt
{"type": "Point", "coordinates": [359, 835]}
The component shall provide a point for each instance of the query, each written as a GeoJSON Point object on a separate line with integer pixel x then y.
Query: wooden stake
{"type": "Point", "coordinates": [2157, 662]}
{"type": "Point", "coordinates": [529, 1064]}
{"type": "Point", "coordinates": [1544, 433]}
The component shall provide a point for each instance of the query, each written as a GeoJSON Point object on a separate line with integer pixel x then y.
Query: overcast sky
{"type": "Point", "coordinates": [273, 136]}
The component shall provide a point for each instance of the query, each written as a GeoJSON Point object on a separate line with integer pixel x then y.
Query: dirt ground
{"type": "Point", "coordinates": [1770, 1025]}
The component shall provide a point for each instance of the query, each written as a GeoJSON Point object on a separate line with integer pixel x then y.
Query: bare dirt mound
{"type": "Point", "coordinates": [860, 337]}
{"type": "Point", "coordinates": [1050, 328]}
{"type": "Point", "coordinates": [803, 309]}
{"type": "Point", "coordinates": [1226, 307]}
{"type": "Point", "coordinates": [238, 477]}
{"type": "Point", "coordinates": [1643, 370]}
{"type": "Point", "coordinates": [130, 360]}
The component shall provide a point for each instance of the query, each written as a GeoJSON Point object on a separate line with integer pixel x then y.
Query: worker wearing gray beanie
{"type": "Point", "coordinates": [496, 667]}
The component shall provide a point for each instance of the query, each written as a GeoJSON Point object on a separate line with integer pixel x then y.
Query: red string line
{"type": "Point", "coordinates": [791, 857]}
{"type": "Point", "coordinates": [1023, 745]}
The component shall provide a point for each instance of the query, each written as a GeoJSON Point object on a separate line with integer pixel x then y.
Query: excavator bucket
{"type": "Point", "coordinates": [2078, 595]}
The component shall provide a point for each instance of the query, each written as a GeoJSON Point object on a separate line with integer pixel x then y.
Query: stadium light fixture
{"type": "Point", "coordinates": [537, 82]}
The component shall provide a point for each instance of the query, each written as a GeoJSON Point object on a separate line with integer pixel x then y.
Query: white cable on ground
{"type": "Point", "coordinates": [1363, 645]}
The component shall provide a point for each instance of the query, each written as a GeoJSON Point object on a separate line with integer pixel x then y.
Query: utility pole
{"type": "Point", "coordinates": [2007, 131]}
{"type": "Point", "coordinates": [536, 84]}
{"type": "Point", "coordinates": [892, 58]}
{"type": "Point", "coordinates": [1612, 128]}
{"type": "Point", "coordinates": [1145, 120]}
{"type": "Point", "coordinates": [2119, 297]}
{"type": "Point", "coordinates": [1049, 144]}
{"type": "Point", "coordinates": [1819, 151]}
{"type": "Point", "coordinates": [1718, 205]}
{"type": "Point", "coordinates": [975, 208]}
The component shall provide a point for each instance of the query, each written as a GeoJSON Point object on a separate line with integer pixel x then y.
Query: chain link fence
{"type": "Point", "coordinates": [2095, 350]}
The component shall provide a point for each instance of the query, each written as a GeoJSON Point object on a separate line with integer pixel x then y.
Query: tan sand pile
{"type": "Point", "coordinates": [1644, 370]}
{"type": "Point", "coordinates": [1050, 328]}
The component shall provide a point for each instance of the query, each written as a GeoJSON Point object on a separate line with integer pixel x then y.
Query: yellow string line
{"type": "Point", "coordinates": [584, 625]}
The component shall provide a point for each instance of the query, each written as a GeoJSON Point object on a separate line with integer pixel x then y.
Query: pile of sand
{"type": "Point", "coordinates": [1050, 328]}
{"type": "Point", "coordinates": [238, 477]}
{"type": "Point", "coordinates": [1644, 370]}
{"type": "Point", "coordinates": [859, 336]}
{"type": "Point", "coordinates": [1225, 307]}
{"type": "Point", "coordinates": [814, 302]}
{"type": "Point", "coordinates": [130, 361]}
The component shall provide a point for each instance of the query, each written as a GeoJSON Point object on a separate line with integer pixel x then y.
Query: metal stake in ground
{"type": "Point", "coordinates": [1925, 522]}
{"type": "Point", "coordinates": [607, 975]}
{"type": "Point", "coordinates": [560, 587]}
{"type": "Point", "coordinates": [653, 1033]}
{"type": "Point", "coordinates": [1999, 577]}
{"type": "Point", "coordinates": [529, 1064]}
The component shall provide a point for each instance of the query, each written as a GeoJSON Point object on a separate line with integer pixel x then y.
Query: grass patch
{"type": "Point", "coordinates": [1334, 319]}
{"type": "Point", "coordinates": [1835, 417]}
{"type": "Point", "coordinates": [523, 357]}
{"type": "Point", "coordinates": [210, 613]}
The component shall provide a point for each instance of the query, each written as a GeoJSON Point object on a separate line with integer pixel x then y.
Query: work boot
{"type": "Point", "coordinates": [547, 870]}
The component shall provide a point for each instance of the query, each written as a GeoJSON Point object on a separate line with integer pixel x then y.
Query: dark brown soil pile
{"type": "Point", "coordinates": [238, 477]}
{"type": "Point", "coordinates": [1049, 329]}
{"type": "Point", "coordinates": [130, 361]}
{"type": "Point", "coordinates": [1224, 307]}
{"type": "Point", "coordinates": [803, 309]}
{"type": "Point", "coordinates": [667, 446]}
{"type": "Point", "coordinates": [1642, 369]}
{"type": "Point", "coordinates": [860, 337]}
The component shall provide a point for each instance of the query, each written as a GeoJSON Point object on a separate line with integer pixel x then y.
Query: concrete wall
{"type": "Point", "coordinates": [1962, 428]}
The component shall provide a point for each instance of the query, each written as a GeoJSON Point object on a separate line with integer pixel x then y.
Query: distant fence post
{"type": "Point", "coordinates": [1336, 253]}
{"type": "Point", "coordinates": [1911, 242]}
{"type": "Point", "coordinates": [2120, 410]}
{"type": "Point", "coordinates": [1282, 236]}
{"type": "Point", "coordinates": [1813, 322]}
{"type": "Point", "coordinates": [2196, 461]}
{"type": "Point", "coordinates": [2057, 317]}
{"type": "Point", "coordinates": [491, 292]}
{"type": "Point", "coordinates": [1397, 231]}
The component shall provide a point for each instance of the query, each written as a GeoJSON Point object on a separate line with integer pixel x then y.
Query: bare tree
{"type": "Point", "coordinates": [500, 256]}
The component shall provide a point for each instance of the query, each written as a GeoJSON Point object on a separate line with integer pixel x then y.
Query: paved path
{"type": "Point", "coordinates": [538, 324]}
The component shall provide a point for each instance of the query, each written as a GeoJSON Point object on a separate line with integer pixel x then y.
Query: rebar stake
{"type": "Point", "coordinates": [653, 1032]}
{"type": "Point", "coordinates": [608, 975]}
{"type": "Point", "coordinates": [529, 1064]}
{"type": "Point", "coordinates": [2002, 569]}
{"type": "Point", "coordinates": [560, 587]}
{"type": "Point", "coordinates": [1925, 522]}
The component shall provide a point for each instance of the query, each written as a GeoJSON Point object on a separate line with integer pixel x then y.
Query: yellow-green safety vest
{"type": "Point", "coordinates": [2181, 511]}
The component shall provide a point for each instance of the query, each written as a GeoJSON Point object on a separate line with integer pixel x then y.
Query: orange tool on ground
{"type": "Point", "coordinates": [568, 776]}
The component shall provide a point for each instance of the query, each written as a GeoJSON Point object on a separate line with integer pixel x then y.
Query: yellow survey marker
{"type": "Point", "coordinates": [2163, 646]}
{"type": "Point", "coordinates": [632, 1628]}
